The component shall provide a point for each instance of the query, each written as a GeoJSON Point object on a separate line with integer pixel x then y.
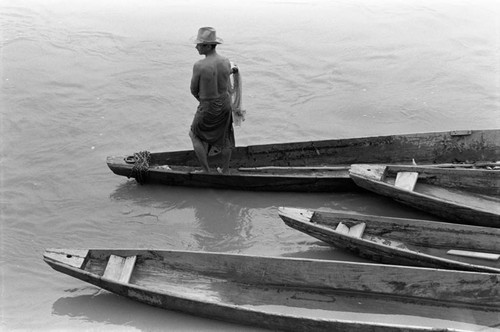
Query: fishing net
{"type": "Point", "coordinates": [236, 96]}
{"type": "Point", "coordinates": [141, 166]}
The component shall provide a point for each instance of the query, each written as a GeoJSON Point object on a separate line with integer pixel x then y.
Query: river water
{"type": "Point", "coordinates": [81, 80]}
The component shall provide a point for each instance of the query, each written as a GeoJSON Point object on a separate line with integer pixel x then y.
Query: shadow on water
{"type": "Point", "coordinates": [220, 220]}
{"type": "Point", "coordinates": [238, 203]}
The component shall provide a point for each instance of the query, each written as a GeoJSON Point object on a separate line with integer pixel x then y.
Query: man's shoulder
{"type": "Point", "coordinates": [199, 63]}
{"type": "Point", "coordinates": [210, 62]}
{"type": "Point", "coordinates": [223, 62]}
{"type": "Point", "coordinates": [222, 58]}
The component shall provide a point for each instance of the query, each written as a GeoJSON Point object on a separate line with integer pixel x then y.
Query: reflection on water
{"type": "Point", "coordinates": [218, 220]}
{"type": "Point", "coordinates": [237, 221]}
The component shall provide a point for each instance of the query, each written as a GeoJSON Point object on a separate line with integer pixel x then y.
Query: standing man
{"type": "Point", "coordinates": [212, 126]}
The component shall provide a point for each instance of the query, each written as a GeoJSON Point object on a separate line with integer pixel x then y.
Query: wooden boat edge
{"type": "Point", "coordinates": [411, 198]}
{"type": "Point", "coordinates": [293, 218]}
{"type": "Point", "coordinates": [451, 142]}
{"type": "Point", "coordinates": [139, 294]}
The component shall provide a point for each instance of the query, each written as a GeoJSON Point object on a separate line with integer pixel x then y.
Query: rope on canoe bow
{"type": "Point", "coordinates": [141, 166]}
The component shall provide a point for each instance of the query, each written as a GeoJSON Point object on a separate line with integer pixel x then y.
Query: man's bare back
{"type": "Point", "coordinates": [210, 75]}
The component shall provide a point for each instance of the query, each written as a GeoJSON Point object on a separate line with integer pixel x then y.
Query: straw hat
{"type": "Point", "coordinates": [207, 35]}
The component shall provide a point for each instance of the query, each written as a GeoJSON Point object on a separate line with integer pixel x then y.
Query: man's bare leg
{"type": "Point", "coordinates": [200, 149]}
{"type": "Point", "coordinates": [226, 157]}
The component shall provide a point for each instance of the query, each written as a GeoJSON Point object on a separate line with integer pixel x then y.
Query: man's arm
{"type": "Point", "coordinates": [195, 82]}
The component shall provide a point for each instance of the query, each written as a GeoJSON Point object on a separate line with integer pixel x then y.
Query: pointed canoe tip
{"type": "Point", "coordinates": [120, 160]}
{"type": "Point", "coordinates": [295, 213]}
{"type": "Point", "coordinates": [72, 257]}
{"type": "Point", "coordinates": [49, 251]}
{"type": "Point", "coordinates": [370, 171]}
{"type": "Point", "coordinates": [287, 210]}
{"type": "Point", "coordinates": [356, 168]}
{"type": "Point", "coordinates": [365, 166]}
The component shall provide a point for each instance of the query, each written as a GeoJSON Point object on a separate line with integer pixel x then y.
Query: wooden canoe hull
{"type": "Point", "coordinates": [401, 241]}
{"type": "Point", "coordinates": [463, 196]}
{"type": "Point", "coordinates": [290, 293]}
{"type": "Point", "coordinates": [299, 181]}
{"type": "Point", "coordinates": [292, 160]}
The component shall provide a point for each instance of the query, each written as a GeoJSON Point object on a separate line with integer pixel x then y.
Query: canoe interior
{"type": "Point", "coordinates": [273, 271]}
{"type": "Point", "coordinates": [420, 236]}
{"type": "Point", "coordinates": [481, 181]}
{"type": "Point", "coordinates": [340, 171]}
{"type": "Point", "coordinates": [479, 189]}
{"type": "Point", "coordinates": [424, 148]}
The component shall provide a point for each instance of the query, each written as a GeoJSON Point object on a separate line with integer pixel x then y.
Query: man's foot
{"type": "Point", "coordinates": [223, 171]}
{"type": "Point", "coordinates": [196, 171]}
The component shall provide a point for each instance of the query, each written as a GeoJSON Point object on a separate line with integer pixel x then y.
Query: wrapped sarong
{"type": "Point", "coordinates": [213, 122]}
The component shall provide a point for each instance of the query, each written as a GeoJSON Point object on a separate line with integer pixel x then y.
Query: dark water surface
{"type": "Point", "coordinates": [82, 80]}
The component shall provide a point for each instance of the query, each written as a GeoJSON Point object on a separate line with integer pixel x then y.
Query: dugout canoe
{"type": "Point", "coordinates": [459, 195]}
{"type": "Point", "coordinates": [290, 293]}
{"type": "Point", "coordinates": [402, 241]}
{"type": "Point", "coordinates": [313, 166]}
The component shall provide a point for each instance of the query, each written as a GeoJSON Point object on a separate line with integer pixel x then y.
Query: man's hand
{"type": "Point", "coordinates": [234, 68]}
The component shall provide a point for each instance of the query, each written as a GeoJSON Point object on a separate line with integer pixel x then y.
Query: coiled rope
{"type": "Point", "coordinates": [141, 166]}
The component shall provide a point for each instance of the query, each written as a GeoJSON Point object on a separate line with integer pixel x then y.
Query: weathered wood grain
{"type": "Point", "coordinates": [412, 242]}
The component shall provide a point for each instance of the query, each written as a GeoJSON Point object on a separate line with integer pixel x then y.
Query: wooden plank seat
{"type": "Point", "coordinates": [406, 180]}
{"type": "Point", "coordinates": [355, 231]}
{"type": "Point", "coordinates": [119, 268]}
